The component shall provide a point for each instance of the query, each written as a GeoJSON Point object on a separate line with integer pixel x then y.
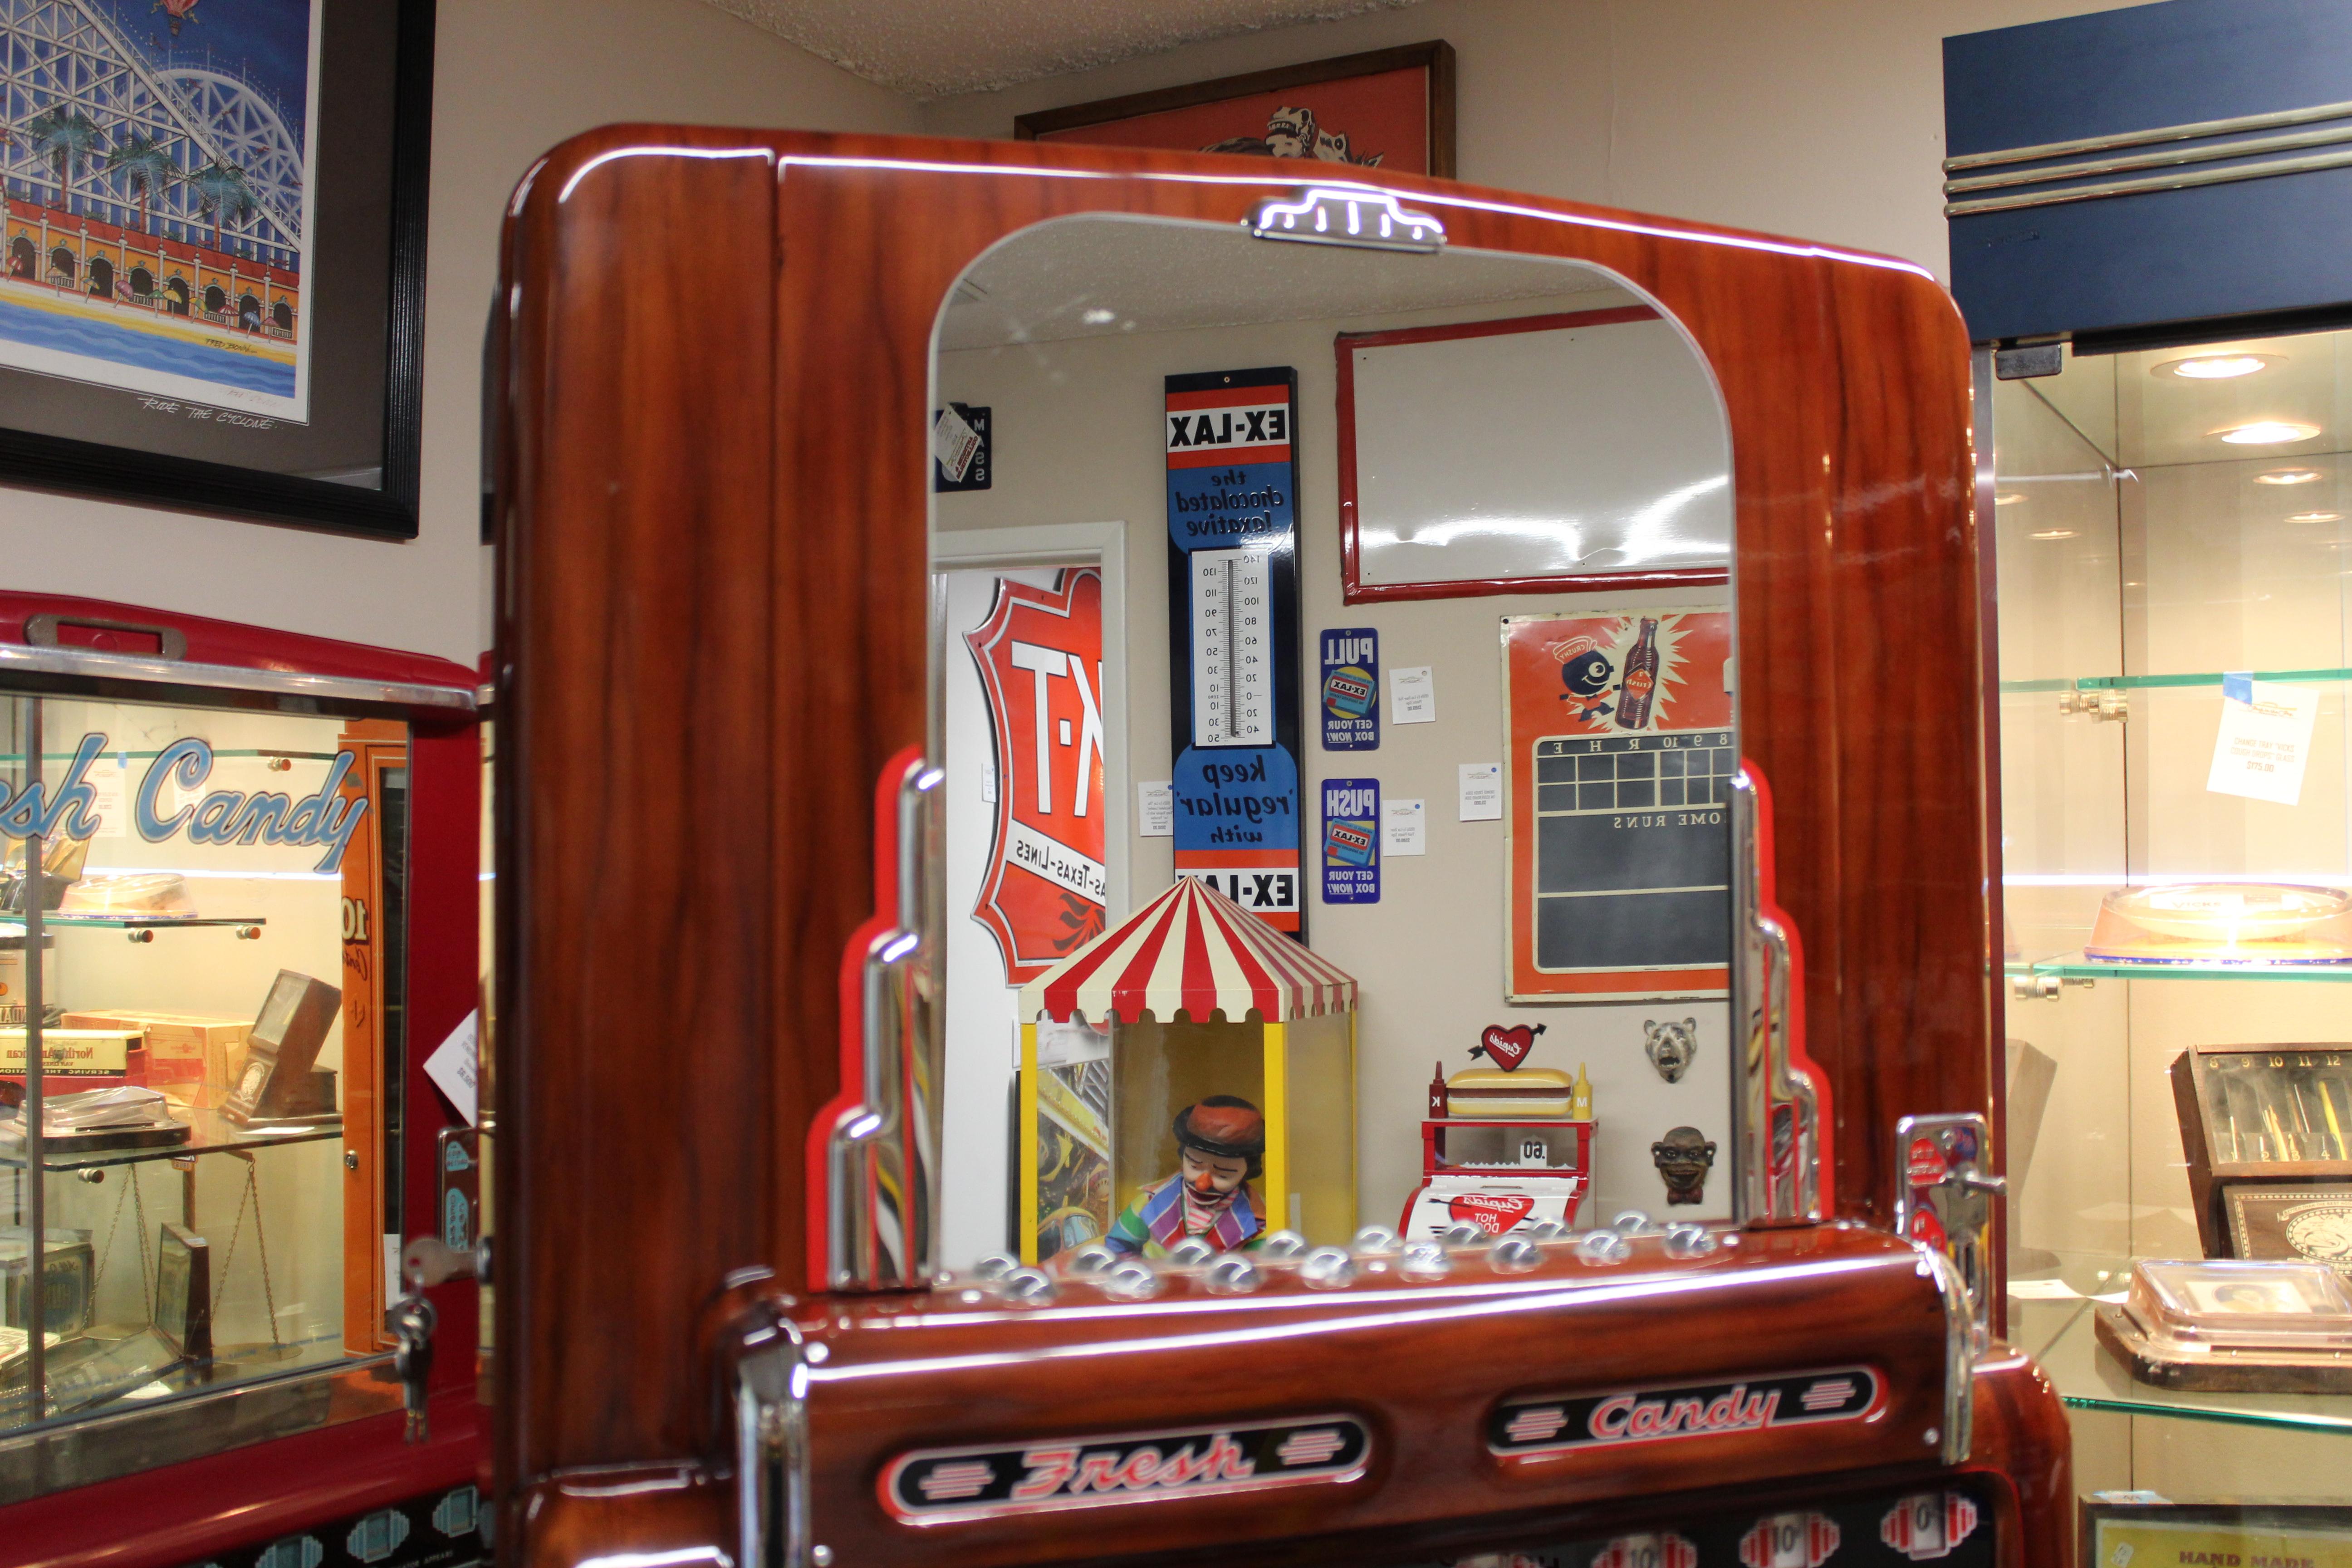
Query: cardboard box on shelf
{"type": "Point", "coordinates": [100, 1057]}
{"type": "Point", "coordinates": [189, 1057]}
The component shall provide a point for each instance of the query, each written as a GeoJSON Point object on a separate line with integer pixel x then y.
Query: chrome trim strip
{"type": "Point", "coordinates": [17, 660]}
{"type": "Point", "coordinates": [2189, 132]}
{"type": "Point", "coordinates": [771, 1468]}
{"type": "Point", "coordinates": [1960, 1347]}
{"type": "Point", "coordinates": [1761, 1008]}
{"type": "Point", "coordinates": [2177, 182]}
{"type": "Point", "coordinates": [2333, 136]}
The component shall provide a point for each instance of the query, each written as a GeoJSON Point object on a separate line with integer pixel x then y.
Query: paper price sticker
{"type": "Point", "coordinates": [2264, 741]}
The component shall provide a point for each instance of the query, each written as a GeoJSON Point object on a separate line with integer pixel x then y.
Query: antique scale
{"type": "Point", "coordinates": [724, 1335]}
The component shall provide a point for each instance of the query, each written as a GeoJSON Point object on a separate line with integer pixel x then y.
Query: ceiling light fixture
{"type": "Point", "coordinates": [2215, 367]}
{"type": "Point", "coordinates": [2315, 516]}
{"type": "Point", "coordinates": [1099, 317]}
{"type": "Point", "coordinates": [2286, 476]}
{"type": "Point", "coordinates": [2266, 432]}
{"type": "Point", "coordinates": [2007, 497]}
{"type": "Point", "coordinates": [2055, 533]}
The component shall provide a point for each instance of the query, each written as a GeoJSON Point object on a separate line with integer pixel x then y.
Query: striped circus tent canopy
{"type": "Point", "coordinates": [1195, 950]}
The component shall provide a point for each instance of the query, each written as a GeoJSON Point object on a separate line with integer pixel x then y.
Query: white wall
{"type": "Point", "coordinates": [1077, 425]}
{"type": "Point", "coordinates": [1822, 119]}
{"type": "Point", "coordinates": [511, 78]}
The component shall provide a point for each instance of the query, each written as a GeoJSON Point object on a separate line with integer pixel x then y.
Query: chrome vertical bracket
{"type": "Point", "coordinates": [881, 1165]}
{"type": "Point", "coordinates": [1964, 1341]}
{"type": "Point", "coordinates": [767, 1387]}
{"type": "Point", "coordinates": [1943, 1199]}
{"type": "Point", "coordinates": [1776, 1124]}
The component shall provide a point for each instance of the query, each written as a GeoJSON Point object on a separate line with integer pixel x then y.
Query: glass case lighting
{"type": "Point", "coordinates": [2314, 516]}
{"type": "Point", "coordinates": [2266, 432]}
{"type": "Point", "coordinates": [2286, 476]}
{"type": "Point", "coordinates": [2007, 498]}
{"type": "Point", "coordinates": [2054, 534]}
{"type": "Point", "coordinates": [1099, 317]}
{"type": "Point", "coordinates": [2215, 367]}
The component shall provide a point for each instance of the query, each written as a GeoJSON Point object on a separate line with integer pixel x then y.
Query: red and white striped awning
{"type": "Point", "coordinates": [1194, 949]}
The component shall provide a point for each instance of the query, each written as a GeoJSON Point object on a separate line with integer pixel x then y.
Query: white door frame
{"type": "Point", "coordinates": [1097, 544]}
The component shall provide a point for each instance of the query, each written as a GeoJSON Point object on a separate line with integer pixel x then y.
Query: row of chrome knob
{"type": "Point", "coordinates": [1376, 1247]}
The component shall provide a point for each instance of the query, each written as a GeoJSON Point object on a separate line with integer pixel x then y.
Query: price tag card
{"type": "Point", "coordinates": [2264, 741]}
{"type": "Point", "coordinates": [1415, 691]}
{"type": "Point", "coordinates": [1155, 810]}
{"type": "Point", "coordinates": [1482, 792]}
{"type": "Point", "coordinates": [1351, 841]}
{"type": "Point", "coordinates": [1404, 827]}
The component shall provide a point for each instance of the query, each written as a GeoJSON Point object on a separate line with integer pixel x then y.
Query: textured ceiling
{"type": "Point", "coordinates": [936, 49]}
{"type": "Point", "coordinates": [1094, 276]}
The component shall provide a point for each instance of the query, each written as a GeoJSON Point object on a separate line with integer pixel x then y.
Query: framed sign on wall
{"type": "Point", "coordinates": [212, 279]}
{"type": "Point", "coordinates": [1617, 803]}
{"type": "Point", "coordinates": [1384, 109]}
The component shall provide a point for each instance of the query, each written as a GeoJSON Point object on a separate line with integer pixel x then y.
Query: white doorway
{"type": "Point", "coordinates": [982, 1038]}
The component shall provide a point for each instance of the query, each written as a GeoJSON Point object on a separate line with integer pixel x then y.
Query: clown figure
{"type": "Point", "coordinates": [1221, 1141]}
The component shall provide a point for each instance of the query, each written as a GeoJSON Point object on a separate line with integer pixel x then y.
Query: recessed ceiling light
{"type": "Point", "coordinates": [2007, 497]}
{"type": "Point", "coordinates": [2215, 367]}
{"type": "Point", "coordinates": [1099, 317]}
{"type": "Point", "coordinates": [2055, 533]}
{"type": "Point", "coordinates": [2266, 432]}
{"type": "Point", "coordinates": [2286, 476]}
{"type": "Point", "coordinates": [2315, 516]}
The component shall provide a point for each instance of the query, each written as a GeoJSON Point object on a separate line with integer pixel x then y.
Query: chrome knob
{"type": "Point", "coordinates": [1514, 1255]}
{"type": "Point", "coordinates": [1234, 1275]}
{"type": "Point", "coordinates": [1031, 1285]}
{"type": "Point", "coordinates": [1462, 1233]}
{"type": "Point", "coordinates": [1191, 1251]}
{"type": "Point", "coordinates": [1282, 1244]}
{"type": "Point", "coordinates": [1133, 1280]}
{"type": "Point", "coordinates": [1091, 1258]}
{"type": "Point", "coordinates": [1327, 1268]}
{"type": "Point", "coordinates": [1374, 1241]}
{"type": "Point", "coordinates": [1633, 1222]}
{"type": "Point", "coordinates": [1426, 1259]}
{"type": "Point", "coordinates": [1604, 1247]}
{"type": "Point", "coordinates": [1547, 1230]}
{"type": "Point", "coordinates": [995, 1266]}
{"type": "Point", "coordinates": [1689, 1241]}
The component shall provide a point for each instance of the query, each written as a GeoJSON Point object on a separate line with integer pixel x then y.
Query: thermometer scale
{"type": "Point", "coordinates": [1233, 648]}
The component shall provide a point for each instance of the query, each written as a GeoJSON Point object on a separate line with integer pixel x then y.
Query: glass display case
{"type": "Point", "coordinates": [210, 1146]}
{"type": "Point", "coordinates": [2174, 533]}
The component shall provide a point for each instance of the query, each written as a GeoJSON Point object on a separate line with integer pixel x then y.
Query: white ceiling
{"type": "Point", "coordinates": [1099, 277]}
{"type": "Point", "coordinates": [937, 48]}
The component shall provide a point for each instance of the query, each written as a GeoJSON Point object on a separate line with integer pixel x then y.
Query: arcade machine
{"type": "Point", "coordinates": [237, 912]}
{"type": "Point", "coordinates": [841, 974]}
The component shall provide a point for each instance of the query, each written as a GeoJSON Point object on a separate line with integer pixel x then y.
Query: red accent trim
{"type": "Point", "coordinates": [1244, 395]}
{"type": "Point", "coordinates": [1352, 587]}
{"type": "Point", "coordinates": [1218, 457]}
{"type": "Point", "coordinates": [1800, 1062]}
{"type": "Point", "coordinates": [244, 647]}
{"type": "Point", "coordinates": [853, 1010]}
{"type": "Point", "coordinates": [243, 1496]}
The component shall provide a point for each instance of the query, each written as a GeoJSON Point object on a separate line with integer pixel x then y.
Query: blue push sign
{"type": "Point", "coordinates": [1351, 841]}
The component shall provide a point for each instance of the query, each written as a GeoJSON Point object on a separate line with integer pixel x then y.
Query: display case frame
{"type": "Point", "coordinates": [181, 1477]}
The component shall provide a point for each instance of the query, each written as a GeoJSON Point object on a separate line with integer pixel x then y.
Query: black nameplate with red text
{"type": "Point", "coordinates": [1688, 1410]}
{"type": "Point", "coordinates": [931, 1485]}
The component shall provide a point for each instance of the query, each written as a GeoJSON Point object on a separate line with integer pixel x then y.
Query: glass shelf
{"type": "Point", "coordinates": [136, 922]}
{"type": "Point", "coordinates": [2061, 1336]}
{"type": "Point", "coordinates": [2075, 966]}
{"type": "Point", "coordinates": [2150, 682]}
{"type": "Point", "coordinates": [209, 1132]}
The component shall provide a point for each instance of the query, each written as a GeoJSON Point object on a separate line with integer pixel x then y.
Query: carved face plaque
{"type": "Point", "coordinates": [1671, 1047]}
{"type": "Point", "coordinates": [1684, 1156]}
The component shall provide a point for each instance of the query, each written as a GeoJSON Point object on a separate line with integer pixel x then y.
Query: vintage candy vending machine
{"type": "Point", "coordinates": [239, 913]}
{"type": "Point", "coordinates": [770, 1158]}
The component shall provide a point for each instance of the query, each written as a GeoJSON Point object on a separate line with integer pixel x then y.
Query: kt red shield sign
{"type": "Point", "coordinates": [1040, 658]}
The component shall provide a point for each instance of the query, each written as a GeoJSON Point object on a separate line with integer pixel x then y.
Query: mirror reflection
{"type": "Point", "coordinates": [1323, 847]}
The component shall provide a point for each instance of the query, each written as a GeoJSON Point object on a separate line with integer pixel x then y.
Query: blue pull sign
{"type": "Point", "coordinates": [1352, 689]}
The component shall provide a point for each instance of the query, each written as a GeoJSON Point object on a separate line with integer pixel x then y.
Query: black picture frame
{"type": "Point", "coordinates": [51, 462]}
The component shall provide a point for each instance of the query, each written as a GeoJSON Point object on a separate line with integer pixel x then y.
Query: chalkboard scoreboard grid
{"type": "Point", "coordinates": [1633, 864]}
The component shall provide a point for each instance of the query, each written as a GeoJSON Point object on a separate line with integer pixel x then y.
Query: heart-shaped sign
{"type": "Point", "coordinates": [1493, 1213]}
{"type": "Point", "coordinates": [1507, 1047]}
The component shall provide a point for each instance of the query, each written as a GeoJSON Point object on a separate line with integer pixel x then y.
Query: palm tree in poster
{"type": "Point", "coordinates": [222, 193]}
{"type": "Point", "coordinates": [64, 136]}
{"type": "Point", "coordinates": [144, 166]}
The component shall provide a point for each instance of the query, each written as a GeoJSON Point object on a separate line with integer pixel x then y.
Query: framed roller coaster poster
{"type": "Point", "coordinates": [212, 266]}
